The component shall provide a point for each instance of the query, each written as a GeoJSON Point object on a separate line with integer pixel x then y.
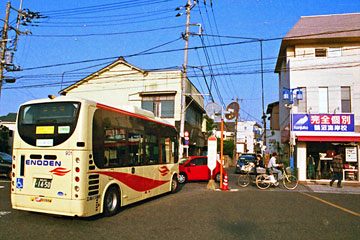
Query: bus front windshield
{"type": "Point", "coordinates": [54, 122]}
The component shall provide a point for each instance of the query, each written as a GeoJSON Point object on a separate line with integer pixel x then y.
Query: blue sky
{"type": "Point", "coordinates": [80, 37]}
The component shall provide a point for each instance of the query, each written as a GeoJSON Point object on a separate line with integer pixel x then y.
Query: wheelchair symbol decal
{"type": "Point", "coordinates": [19, 183]}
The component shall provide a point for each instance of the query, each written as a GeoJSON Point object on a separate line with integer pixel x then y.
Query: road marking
{"type": "Point", "coordinates": [2, 187]}
{"type": "Point", "coordinates": [331, 204]}
{"type": "Point", "coordinates": [3, 213]}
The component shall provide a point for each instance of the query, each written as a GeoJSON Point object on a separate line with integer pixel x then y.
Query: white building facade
{"type": "Point", "coordinates": [121, 84]}
{"type": "Point", "coordinates": [320, 56]}
{"type": "Point", "coordinates": [248, 138]}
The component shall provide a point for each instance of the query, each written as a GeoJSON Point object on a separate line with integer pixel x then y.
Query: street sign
{"type": "Point", "coordinates": [232, 111]}
{"type": "Point", "coordinates": [186, 138]}
{"type": "Point", "coordinates": [212, 152]}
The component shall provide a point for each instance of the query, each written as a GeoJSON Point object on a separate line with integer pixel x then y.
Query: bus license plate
{"type": "Point", "coordinates": [43, 183]}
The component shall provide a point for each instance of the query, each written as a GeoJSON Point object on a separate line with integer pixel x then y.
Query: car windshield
{"type": "Point", "coordinates": [5, 157]}
{"type": "Point", "coordinates": [183, 160]}
{"type": "Point", "coordinates": [246, 158]}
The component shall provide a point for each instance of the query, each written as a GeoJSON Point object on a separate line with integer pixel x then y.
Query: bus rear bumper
{"type": "Point", "coordinates": [56, 206]}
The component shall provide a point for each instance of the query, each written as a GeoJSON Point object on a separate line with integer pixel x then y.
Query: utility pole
{"type": "Point", "coordinates": [236, 122]}
{"type": "Point", "coordinates": [184, 80]}
{"type": "Point", "coordinates": [3, 44]}
{"type": "Point", "coordinates": [262, 92]}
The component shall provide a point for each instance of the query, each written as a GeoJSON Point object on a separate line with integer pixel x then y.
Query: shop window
{"type": "Point", "coordinates": [345, 100]}
{"type": "Point", "coordinates": [323, 100]}
{"type": "Point", "coordinates": [161, 106]}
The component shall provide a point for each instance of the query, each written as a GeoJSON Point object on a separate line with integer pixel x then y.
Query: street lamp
{"type": "Point", "coordinates": [288, 94]}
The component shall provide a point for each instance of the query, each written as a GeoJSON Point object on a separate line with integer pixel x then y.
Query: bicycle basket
{"type": "Point", "coordinates": [261, 170]}
{"type": "Point", "coordinates": [288, 170]}
{"type": "Point", "coordinates": [246, 168]}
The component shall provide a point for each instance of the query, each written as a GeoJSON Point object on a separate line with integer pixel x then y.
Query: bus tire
{"type": "Point", "coordinates": [174, 184]}
{"type": "Point", "coordinates": [111, 201]}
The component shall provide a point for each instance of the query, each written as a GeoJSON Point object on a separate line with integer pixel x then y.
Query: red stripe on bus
{"type": "Point", "coordinates": [135, 182]}
{"type": "Point", "coordinates": [99, 105]}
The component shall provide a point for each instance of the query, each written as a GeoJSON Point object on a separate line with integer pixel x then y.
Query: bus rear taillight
{"type": "Point", "coordinates": [77, 179]}
{"type": "Point", "coordinates": [77, 169]}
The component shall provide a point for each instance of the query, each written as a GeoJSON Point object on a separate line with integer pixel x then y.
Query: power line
{"type": "Point", "coordinates": [105, 34]}
{"type": "Point", "coordinates": [102, 8]}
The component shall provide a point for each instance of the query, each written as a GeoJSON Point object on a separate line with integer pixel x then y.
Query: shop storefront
{"type": "Point", "coordinates": [315, 149]}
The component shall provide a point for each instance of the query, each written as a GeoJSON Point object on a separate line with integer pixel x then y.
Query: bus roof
{"type": "Point", "coordinates": [126, 109]}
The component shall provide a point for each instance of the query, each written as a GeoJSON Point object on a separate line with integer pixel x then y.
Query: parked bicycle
{"type": "Point", "coordinates": [265, 179]}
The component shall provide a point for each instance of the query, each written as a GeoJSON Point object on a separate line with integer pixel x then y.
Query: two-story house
{"type": "Point", "coordinates": [121, 83]}
{"type": "Point", "coordinates": [248, 137]}
{"type": "Point", "coordinates": [273, 133]}
{"type": "Point", "coordinates": [319, 66]}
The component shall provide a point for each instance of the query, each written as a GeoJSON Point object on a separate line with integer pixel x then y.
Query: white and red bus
{"type": "Point", "coordinates": [76, 157]}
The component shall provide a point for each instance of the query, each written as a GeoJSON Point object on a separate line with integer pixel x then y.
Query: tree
{"type": "Point", "coordinates": [210, 126]}
{"type": "Point", "coordinates": [228, 146]}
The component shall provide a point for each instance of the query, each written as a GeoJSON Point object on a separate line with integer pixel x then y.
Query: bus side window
{"type": "Point", "coordinates": [152, 149]}
{"type": "Point", "coordinates": [166, 150]}
{"type": "Point", "coordinates": [135, 151]}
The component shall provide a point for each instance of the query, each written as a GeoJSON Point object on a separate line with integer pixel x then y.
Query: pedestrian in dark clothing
{"type": "Point", "coordinates": [258, 163]}
{"type": "Point", "coordinates": [338, 165]}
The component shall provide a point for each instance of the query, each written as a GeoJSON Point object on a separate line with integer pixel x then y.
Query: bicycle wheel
{"type": "Point", "coordinates": [260, 182]}
{"type": "Point", "coordinates": [290, 182]}
{"type": "Point", "coordinates": [244, 180]}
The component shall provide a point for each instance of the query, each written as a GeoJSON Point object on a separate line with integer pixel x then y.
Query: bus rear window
{"type": "Point", "coordinates": [54, 122]}
{"type": "Point", "coordinates": [49, 113]}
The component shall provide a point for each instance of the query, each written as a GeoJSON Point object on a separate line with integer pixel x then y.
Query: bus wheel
{"type": "Point", "coordinates": [111, 201]}
{"type": "Point", "coordinates": [174, 184]}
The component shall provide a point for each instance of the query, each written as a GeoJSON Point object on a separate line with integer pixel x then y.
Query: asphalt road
{"type": "Point", "coordinates": [196, 213]}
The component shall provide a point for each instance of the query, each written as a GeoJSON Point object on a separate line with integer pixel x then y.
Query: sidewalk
{"type": "Point", "coordinates": [325, 188]}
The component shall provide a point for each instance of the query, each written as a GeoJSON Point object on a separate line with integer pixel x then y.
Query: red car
{"type": "Point", "coordinates": [196, 168]}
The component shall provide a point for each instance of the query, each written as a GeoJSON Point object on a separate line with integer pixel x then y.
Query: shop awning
{"type": "Point", "coordinates": [328, 138]}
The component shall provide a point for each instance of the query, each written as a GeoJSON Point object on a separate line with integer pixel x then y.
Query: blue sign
{"type": "Point", "coordinates": [19, 183]}
{"type": "Point", "coordinates": [323, 122]}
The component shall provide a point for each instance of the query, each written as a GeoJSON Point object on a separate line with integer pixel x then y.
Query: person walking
{"type": "Point", "coordinates": [338, 165]}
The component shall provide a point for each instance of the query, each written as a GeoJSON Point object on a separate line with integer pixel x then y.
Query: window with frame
{"type": "Point", "coordinates": [320, 52]}
{"type": "Point", "coordinates": [335, 52]}
{"type": "Point", "coordinates": [162, 106]}
{"type": "Point", "coordinates": [345, 100]}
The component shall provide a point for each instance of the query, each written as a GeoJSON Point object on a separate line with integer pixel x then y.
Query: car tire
{"type": "Point", "coordinates": [217, 177]}
{"type": "Point", "coordinates": [182, 178]}
{"type": "Point", "coordinates": [111, 201]}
